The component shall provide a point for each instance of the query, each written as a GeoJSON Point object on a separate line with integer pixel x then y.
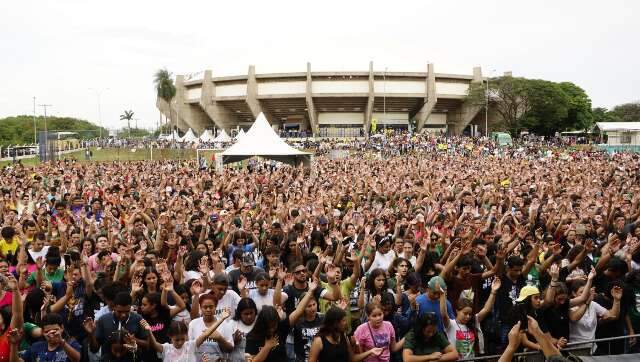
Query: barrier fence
{"type": "Point", "coordinates": [581, 350]}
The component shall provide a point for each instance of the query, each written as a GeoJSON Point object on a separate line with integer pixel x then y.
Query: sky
{"type": "Point", "coordinates": [66, 52]}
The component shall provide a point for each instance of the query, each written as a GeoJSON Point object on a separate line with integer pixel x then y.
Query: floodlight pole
{"type": "Point", "coordinates": [46, 132]}
{"type": "Point", "coordinates": [98, 92]}
{"type": "Point", "coordinates": [35, 128]}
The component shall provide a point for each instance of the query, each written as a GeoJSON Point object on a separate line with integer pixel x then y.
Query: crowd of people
{"type": "Point", "coordinates": [428, 254]}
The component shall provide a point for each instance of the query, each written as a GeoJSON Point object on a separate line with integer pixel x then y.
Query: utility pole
{"type": "Point", "coordinates": [46, 132]}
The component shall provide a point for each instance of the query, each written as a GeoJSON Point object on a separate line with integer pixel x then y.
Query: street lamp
{"type": "Point", "coordinates": [98, 93]}
{"type": "Point", "coordinates": [486, 108]}
{"type": "Point", "coordinates": [35, 128]}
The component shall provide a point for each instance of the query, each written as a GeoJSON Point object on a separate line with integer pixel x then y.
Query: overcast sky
{"type": "Point", "coordinates": [58, 50]}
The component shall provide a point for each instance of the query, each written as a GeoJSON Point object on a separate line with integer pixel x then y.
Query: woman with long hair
{"type": "Point", "coordinates": [332, 344]}
{"type": "Point", "coordinates": [374, 286]}
{"type": "Point", "coordinates": [242, 323]}
{"type": "Point", "coordinates": [266, 341]}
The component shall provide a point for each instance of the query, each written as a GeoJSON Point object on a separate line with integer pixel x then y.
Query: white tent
{"type": "Point", "coordinates": [169, 137]}
{"type": "Point", "coordinates": [261, 140]}
{"type": "Point", "coordinates": [206, 136]}
{"type": "Point", "coordinates": [189, 137]}
{"type": "Point", "coordinates": [222, 137]}
{"type": "Point", "coordinates": [240, 135]}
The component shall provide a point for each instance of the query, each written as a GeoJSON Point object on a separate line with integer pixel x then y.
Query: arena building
{"type": "Point", "coordinates": [329, 104]}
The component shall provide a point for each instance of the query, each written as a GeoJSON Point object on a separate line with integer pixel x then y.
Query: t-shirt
{"type": "Point", "coordinates": [7, 299]}
{"type": "Point", "coordinates": [56, 276]}
{"type": "Point", "coordinates": [437, 343]}
{"type": "Point", "coordinates": [234, 276]}
{"type": "Point", "coordinates": [8, 247]}
{"type": "Point", "coordinates": [462, 337]}
{"type": "Point", "coordinates": [278, 353]}
{"type": "Point", "coordinates": [426, 305]}
{"type": "Point", "coordinates": [39, 352]}
{"type": "Point", "coordinates": [264, 299]}
{"type": "Point", "coordinates": [584, 329]}
{"type": "Point", "coordinates": [229, 300]}
{"type": "Point", "coordinates": [457, 285]}
{"type": "Point", "coordinates": [107, 324]}
{"type": "Point", "coordinates": [368, 338]}
{"type": "Point", "coordinates": [303, 334]}
{"type": "Point", "coordinates": [239, 346]}
{"type": "Point", "coordinates": [187, 353]}
{"type": "Point", "coordinates": [557, 320]}
{"type": "Point", "coordinates": [346, 286]}
{"type": "Point", "coordinates": [209, 346]}
{"type": "Point", "coordinates": [382, 261]}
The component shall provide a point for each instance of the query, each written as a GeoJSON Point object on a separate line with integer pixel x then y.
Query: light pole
{"type": "Point", "coordinates": [35, 128]}
{"type": "Point", "coordinates": [46, 132]}
{"type": "Point", "coordinates": [486, 108]}
{"type": "Point", "coordinates": [384, 95]}
{"type": "Point", "coordinates": [98, 93]}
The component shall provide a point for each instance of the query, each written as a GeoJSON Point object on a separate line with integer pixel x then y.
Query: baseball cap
{"type": "Point", "coordinates": [527, 292]}
{"type": "Point", "coordinates": [247, 259]}
{"type": "Point", "coordinates": [322, 220]}
{"type": "Point", "coordinates": [437, 279]}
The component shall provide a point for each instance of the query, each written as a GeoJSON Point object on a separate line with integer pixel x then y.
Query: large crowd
{"type": "Point", "coordinates": [430, 253]}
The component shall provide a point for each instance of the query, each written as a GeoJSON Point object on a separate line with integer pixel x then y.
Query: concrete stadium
{"type": "Point", "coordinates": [329, 104]}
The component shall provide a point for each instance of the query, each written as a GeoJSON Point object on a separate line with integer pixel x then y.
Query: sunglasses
{"type": "Point", "coordinates": [300, 271]}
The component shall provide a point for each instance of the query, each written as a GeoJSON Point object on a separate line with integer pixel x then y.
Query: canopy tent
{"type": "Point", "coordinates": [206, 136]}
{"type": "Point", "coordinates": [261, 140]}
{"type": "Point", "coordinates": [222, 137]}
{"type": "Point", "coordinates": [240, 135]}
{"type": "Point", "coordinates": [169, 137]}
{"type": "Point", "coordinates": [189, 137]}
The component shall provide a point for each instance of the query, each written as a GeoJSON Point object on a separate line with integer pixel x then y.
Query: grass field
{"type": "Point", "coordinates": [122, 154]}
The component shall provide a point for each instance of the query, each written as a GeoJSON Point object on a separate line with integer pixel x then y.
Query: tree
{"type": "Point", "coordinates": [163, 81]}
{"type": "Point", "coordinates": [128, 116]}
{"type": "Point", "coordinates": [601, 114]}
{"type": "Point", "coordinates": [18, 130]}
{"type": "Point", "coordinates": [627, 112]}
{"type": "Point", "coordinates": [508, 96]}
{"type": "Point", "coordinates": [579, 113]}
{"type": "Point", "coordinates": [548, 107]}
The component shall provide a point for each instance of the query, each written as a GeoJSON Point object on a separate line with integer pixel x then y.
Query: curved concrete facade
{"type": "Point", "coordinates": [322, 102]}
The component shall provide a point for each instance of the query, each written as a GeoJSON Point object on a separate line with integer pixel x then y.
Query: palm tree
{"type": "Point", "coordinates": [128, 115]}
{"type": "Point", "coordinates": [163, 81]}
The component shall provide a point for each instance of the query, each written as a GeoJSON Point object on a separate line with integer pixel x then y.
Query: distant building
{"type": "Point", "coordinates": [327, 103]}
{"type": "Point", "coordinates": [619, 133]}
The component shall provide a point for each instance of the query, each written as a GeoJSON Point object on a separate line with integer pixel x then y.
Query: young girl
{"type": "Point", "coordinates": [462, 331]}
{"type": "Point", "coordinates": [181, 349]}
{"type": "Point", "coordinates": [241, 324]}
{"type": "Point", "coordinates": [377, 333]}
{"type": "Point", "coordinates": [332, 345]}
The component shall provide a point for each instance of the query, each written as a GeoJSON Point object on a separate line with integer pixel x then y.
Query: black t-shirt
{"type": "Point", "coordinates": [234, 276]}
{"type": "Point", "coordinates": [76, 310]}
{"type": "Point", "coordinates": [557, 320]}
{"type": "Point", "coordinates": [303, 334]}
{"type": "Point", "coordinates": [159, 327]}
{"type": "Point", "coordinates": [279, 353]}
{"type": "Point", "coordinates": [507, 296]}
{"type": "Point", "coordinates": [294, 296]}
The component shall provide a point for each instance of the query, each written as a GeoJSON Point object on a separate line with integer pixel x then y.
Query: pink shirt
{"type": "Point", "coordinates": [94, 265]}
{"type": "Point", "coordinates": [382, 337]}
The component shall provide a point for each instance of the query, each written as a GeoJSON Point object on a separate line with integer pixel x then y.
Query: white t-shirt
{"type": "Point", "coordinates": [264, 299]}
{"type": "Point", "coordinates": [209, 346]}
{"type": "Point", "coordinates": [185, 354]}
{"type": "Point", "coordinates": [229, 300]}
{"type": "Point", "coordinates": [238, 348]}
{"type": "Point", "coordinates": [585, 329]}
{"type": "Point", "coordinates": [462, 338]}
{"type": "Point", "coordinates": [382, 260]}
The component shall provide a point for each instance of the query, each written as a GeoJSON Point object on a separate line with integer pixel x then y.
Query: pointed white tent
{"type": "Point", "coordinates": [261, 140]}
{"type": "Point", "coordinates": [189, 136]}
{"type": "Point", "coordinates": [240, 135]}
{"type": "Point", "coordinates": [206, 136]}
{"type": "Point", "coordinates": [222, 137]}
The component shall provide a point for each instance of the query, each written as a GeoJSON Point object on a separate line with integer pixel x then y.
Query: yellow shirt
{"type": "Point", "coordinates": [7, 248]}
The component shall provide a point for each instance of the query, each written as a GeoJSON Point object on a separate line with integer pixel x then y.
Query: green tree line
{"type": "Point", "coordinates": [18, 130]}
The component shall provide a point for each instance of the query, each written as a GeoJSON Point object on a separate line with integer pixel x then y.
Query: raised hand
{"type": "Point", "coordinates": [495, 285]}
{"type": "Point", "coordinates": [89, 325]}
{"type": "Point", "coordinates": [616, 293]}
{"type": "Point", "coordinates": [242, 282]}
{"type": "Point", "coordinates": [145, 325]}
